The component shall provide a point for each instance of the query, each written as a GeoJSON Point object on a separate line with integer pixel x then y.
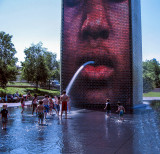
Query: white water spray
{"type": "Point", "coordinates": [75, 76]}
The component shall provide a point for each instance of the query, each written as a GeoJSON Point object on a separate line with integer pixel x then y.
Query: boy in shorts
{"type": "Point", "coordinates": [4, 116]}
{"type": "Point", "coordinates": [108, 107]}
{"type": "Point", "coordinates": [22, 104]}
{"type": "Point", "coordinates": [34, 103]}
{"type": "Point", "coordinates": [64, 98]}
{"type": "Point", "coordinates": [40, 111]}
{"type": "Point", "coordinates": [46, 105]}
{"type": "Point", "coordinates": [121, 111]}
{"type": "Point", "coordinates": [58, 102]}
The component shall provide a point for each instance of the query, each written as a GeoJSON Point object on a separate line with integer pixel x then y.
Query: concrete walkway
{"type": "Point", "coordinates": [16, 104]}
{"type": "Point", "coordinates": [150, 98]}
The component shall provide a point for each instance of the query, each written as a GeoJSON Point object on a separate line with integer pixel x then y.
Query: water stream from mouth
{"type": "Point", "coordinates": [75, 76]}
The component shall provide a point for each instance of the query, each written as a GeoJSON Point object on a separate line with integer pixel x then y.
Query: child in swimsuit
{"type": "Point", "coordinates": [51, 106]}
{"type": "Point", "coordinates": [34, 103]}
{"type": "Point", "coordinates": [121, 111]}
{"type": "Point", "coordinates": [22, 104]}
{"type": "Point", "coordinates": [46, 105]}
{"type": "Point", "coordinates": [58, 102]}
{"type": "Point", "coordinates": [40, 110]}
{"type": "Point", "coordinates": [108, 107]}
{"type": "Point", "coordinates": [4, 116]}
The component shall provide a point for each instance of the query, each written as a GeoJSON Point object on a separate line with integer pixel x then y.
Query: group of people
{"type": "Point", "coordinates": [15, 97]}
{"type": "Point", "coordinates": [41, 107]}
{"type": "Point", "coordinates": [47, 105]}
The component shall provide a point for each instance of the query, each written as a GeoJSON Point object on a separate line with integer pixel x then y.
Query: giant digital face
{"type": "Point", "coordinates": [97, 30]}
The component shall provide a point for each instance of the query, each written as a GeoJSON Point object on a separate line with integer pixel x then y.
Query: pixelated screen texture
{"type": "Point", "coordinates": [76, 46]}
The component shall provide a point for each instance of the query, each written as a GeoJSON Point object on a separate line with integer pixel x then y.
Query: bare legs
{"type": "Point", "coordinates": [65, 114]}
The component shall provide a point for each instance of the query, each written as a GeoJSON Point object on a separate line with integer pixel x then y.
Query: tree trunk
{"type": "Point", "coordinates": [36, 85]}
{"type": "Point", "coordinates": [49, 84]}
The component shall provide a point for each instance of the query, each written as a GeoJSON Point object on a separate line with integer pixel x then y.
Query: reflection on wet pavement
{"type": "Point", "coordinates": [84, 132]}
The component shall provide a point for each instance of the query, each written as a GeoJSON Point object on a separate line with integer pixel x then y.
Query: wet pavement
{"type": "Point", "coordinates": [84, 132]}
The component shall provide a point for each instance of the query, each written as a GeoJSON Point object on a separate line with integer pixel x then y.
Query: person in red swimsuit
{"type": "Point", "coordinates": [64, 98]}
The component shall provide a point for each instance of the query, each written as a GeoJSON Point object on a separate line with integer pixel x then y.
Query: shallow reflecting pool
{"type": "Point", "coordinates": [85, 131]}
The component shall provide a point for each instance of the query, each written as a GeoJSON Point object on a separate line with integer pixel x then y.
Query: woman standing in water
{"type": "Point", "coordinates": [22, 104]}
{"type": "Point", "coordinates": [34, 103]}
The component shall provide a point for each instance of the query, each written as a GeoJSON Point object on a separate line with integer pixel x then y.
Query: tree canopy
{"type": "Point", "coordinates": [39, 64]}
{"type": "Point", "coordinates": [8, 70]}
{"type": "Point", "coordinates": [151, 75]}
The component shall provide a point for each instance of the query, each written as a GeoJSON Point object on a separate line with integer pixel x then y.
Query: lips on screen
{"type": "Point", "coordinates": [96, 31]}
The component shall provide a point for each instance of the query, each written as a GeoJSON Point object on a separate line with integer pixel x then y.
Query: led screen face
{"type": "Point", "coordinates": [96, 30]}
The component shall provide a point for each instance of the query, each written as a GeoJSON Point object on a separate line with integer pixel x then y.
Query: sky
{"type": "Point", "coordinates": [150, 17]}
{"type": "Point", "coordinates": [32, 21]}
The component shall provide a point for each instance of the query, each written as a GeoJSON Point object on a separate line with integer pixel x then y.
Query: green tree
{"type": "Point", "coordinates": [151, 75]}
{"type": "Point", "coordinates": [42, 71]}
{"type": "Point", "coordinates": [8, 70]}
{"type": "Point", "coordinates": [38, 65]}
{"type": "Point", "coordinates": [52, 64]}
{"type": "Point", "coordinates": [56, 71]}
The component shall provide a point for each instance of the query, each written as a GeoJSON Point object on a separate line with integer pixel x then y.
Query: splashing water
{"type": "Point", "coordinates": [75, 76]}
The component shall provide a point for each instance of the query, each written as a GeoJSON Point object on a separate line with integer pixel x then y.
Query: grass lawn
{"type": "Point", "coordinates": [151, 94]}
{"type": "Point", "coordinates": [19, 84]}
{"type": "Point", "coordinates": [23, 91]}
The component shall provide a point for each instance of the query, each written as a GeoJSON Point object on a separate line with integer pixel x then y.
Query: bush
{"type": "Point", "coordinates": [147, 85]}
